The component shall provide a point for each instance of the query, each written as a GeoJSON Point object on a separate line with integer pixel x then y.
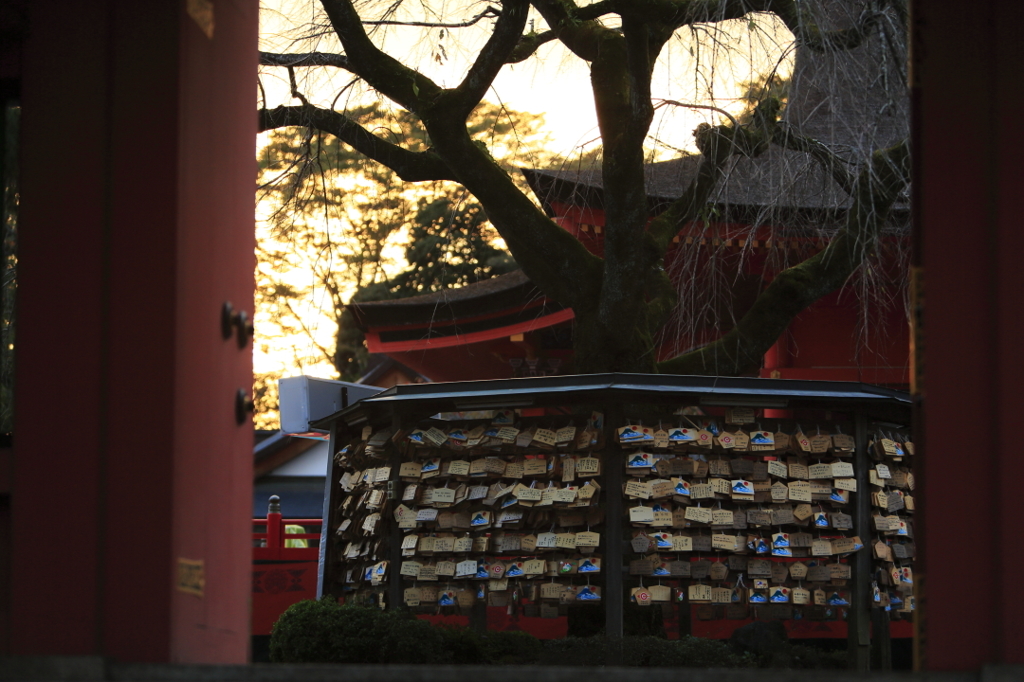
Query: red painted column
{"type": "Point", "coordinates": [136, 225]}
{"type": "Point", "coordinates": [969, 182]}
{"type": "Point", "coordinates": [216, 261]}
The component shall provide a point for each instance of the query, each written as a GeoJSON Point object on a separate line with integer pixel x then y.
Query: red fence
{"type": "Point", "coordinates": [281, 575]}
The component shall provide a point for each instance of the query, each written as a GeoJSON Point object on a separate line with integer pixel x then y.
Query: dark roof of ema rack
{"type": "Point", "coordinates": [425, 399]}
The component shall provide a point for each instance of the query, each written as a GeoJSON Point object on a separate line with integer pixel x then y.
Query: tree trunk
{"type": "Point", "coordinates": [598, 348]}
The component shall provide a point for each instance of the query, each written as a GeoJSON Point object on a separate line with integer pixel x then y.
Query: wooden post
{"type": "Point", "coordinates": [881, 641]}
{"type": "Point", "coordinates": [478, 616]}
{"type": "Point", "coordinates": [158, 565]}
{"type": "Point", "coordinates": [395, 590]}
{"type": "Point", "coordinates": [274, 525]}
{"type": "Point", "coordinates": [684, 613]}
{"type": "Point", "coordinates": [858, 636]}
{"type": "Point", "coordinates": [614, 596]}
{"type": "Point", "coordinates": [325, 527]}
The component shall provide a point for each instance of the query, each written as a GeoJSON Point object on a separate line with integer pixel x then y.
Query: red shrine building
{"type": "Point", "coordinates": [507, 327]}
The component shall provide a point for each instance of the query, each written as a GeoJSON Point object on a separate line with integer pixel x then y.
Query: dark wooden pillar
{"type": "Point", "coordinates": [858, 623]}
{"type": "Point", "coordinates": [968, 148]}
{"type": "Point", "coordinates": [136, 226]}
{"type": "Point", "coordinates": [614, 597]}
{"type": "Point", "coordinates": [326, 536]}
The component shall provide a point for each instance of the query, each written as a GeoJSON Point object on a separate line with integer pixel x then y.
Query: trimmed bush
{"type": "Point", "coordinates": [511, 647]}
{"type": "Point", "coordinates": [463, 645]}
{"type": "Point", "coordinates": [696, 652]}
{"type": "Point", "coordinates": [404, 639]}
{"type": "Point", "coordinates": [326, 632]}
{"type": "Point", "coordinates": [323, 632]}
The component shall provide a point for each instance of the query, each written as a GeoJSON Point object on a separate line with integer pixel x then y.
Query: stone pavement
{"type": "Point", "coordinates": [93, 669]}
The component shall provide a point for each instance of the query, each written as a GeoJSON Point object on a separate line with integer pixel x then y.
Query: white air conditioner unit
{"type": "Point", "coordinates": [307, 399]}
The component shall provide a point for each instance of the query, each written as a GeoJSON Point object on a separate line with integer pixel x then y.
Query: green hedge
{"type": "Point", "coordinates": [326, 632]}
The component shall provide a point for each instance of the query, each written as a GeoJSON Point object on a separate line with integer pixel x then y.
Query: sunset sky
{"type": "Point", "coordinates": [705, 66]}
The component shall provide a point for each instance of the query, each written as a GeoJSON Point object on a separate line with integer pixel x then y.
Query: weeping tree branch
{"type": "Point", "coordinates": [799, 20]}
{"type": "Point", "coordinates": [622, 299]}
{"type": "Point", "coordinates": [488, 12]}
{"type": "Point", "coordinates": [410, 166]}
{"type": "Point", "coordinates": [826, 158]}
{"type": "Point", "coordinates": [565, 17]}
{"type": "Point", "coordinates": [672, 13]}
{"type": "Point", "coordinates": [298, 317]}
{"type": "Point", "coordinates": [677, 13]}
{"type": "Point", "coordinates": [717, 144]}
{"type": "Point", "coordinates": [742, 348]}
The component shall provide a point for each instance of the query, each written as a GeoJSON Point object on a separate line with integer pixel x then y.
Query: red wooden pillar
{"type": "Point", "coordinates": [969, 178]}
{"type": "Point", "coordinates": [136, 226]}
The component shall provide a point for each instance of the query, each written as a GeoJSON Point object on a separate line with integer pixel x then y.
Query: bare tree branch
{"type": "Point", "coordinates": [309, 333]}
{"type": "Point", "coordinates": [719, 143]}
{"type": "Point", "coordinates": [404, 85]}
{"type": "Point", "coordinates": [676, 13]}
{"type": "Point", "coordinates": [706, 107]}
{"type": "Point", "coordinates": [581, 36]}
{"type": "Point", "coordinates": [492, 56]}
{"type": "Point", "coordinates": [623, 299]}
{"type": "Point", "coordinates": [796, 16]}
{"type": "Point", "coordinates": [410, 166]}
{"type": "Point", "coordinates": [551, 257]}
{"type": "Point", "coordinates": [528, 44]}
{"type": "Point", "coordinates": [488, 12]}
{"type": "Point", "coordinates": [304, 59]}
{"type": "Point", "coordinates": [673, 13]}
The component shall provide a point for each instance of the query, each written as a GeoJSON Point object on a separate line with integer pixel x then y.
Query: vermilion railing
{"type": "Point", "coordinates": [274, 537]}
{"type": "Point", "coordinates": [281, 575]}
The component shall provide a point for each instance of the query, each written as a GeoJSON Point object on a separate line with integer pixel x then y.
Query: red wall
{"type": "Point", "coordinates": [136, 224]}
{"type": "Point", "coordinates": [828, 341]}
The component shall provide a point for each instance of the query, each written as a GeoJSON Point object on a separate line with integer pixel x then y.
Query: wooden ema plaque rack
{"type": "Point", "coordinates": [728, 506]}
